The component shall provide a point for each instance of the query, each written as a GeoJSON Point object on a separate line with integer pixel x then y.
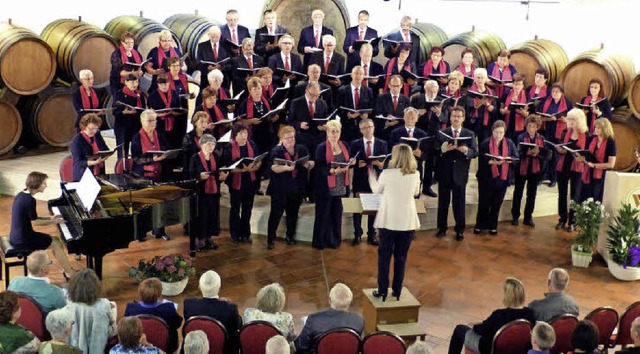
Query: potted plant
{"type": "Point", "coordinates": [173, 270]}
{"type": "Point", "coordinates": [623, 243]}
{"type": "Point", "coordinates": [589, 216]}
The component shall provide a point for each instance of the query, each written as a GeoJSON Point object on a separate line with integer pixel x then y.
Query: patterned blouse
{"type": "Point", "coordinates": [282, 320]}
{"type": "Point", "coordinates": [118, 349]}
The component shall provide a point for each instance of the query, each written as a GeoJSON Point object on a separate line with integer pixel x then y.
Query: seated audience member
{"type": "Point", "coordinates": [479, 339]}
{"type": "Point", "coordinates": [196, 342]}
{"type": "Point", "coordinates": [543, 337]}
{"type": "Point", "coordinates": [635, 335]}
{"type": "Point", "coordinates": [59, 324]}
{"type": "Point", "coordinates": [221, 309]}
{"type": "Point", "coordinates": [132, 339]}
{"type": "Point", "coordinates": [585, 338]}
{"type": "Point", "coordinates": [277, 345]}
{"type": "Point", "coordinates": [95, 317]}
{"type": "Point", "coordinates": [14, 338]}
{"type": "Point", "coordinates": [419, 347]}
{"type": "Point", "coordinates": [555, 302]}
{"type": "Point", "coordinates": [269, 305]}
{"type": "Point", "coordinates": [37, 286]}
{"type": "Point", "coordinates": [151, 303]}
{"type": "Point", "coordinates": [338, 316]}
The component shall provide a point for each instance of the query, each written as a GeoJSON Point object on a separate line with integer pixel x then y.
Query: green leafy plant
{"type": "Point", "coordinates": [589, 215]}
{"type": "Point", "coordinates": [169, 268]}
{"type": "Point", "coordinates": [623, 238]}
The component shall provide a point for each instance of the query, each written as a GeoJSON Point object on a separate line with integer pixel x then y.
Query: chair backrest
{"type": "Point", "coordinates": [66, 169]}
{"type": "Point", "coordinates": [383, 342]}
{"type": "Point", "coordinates": [563, 325]}
{"type": "Point", "coordinates": [254, 336]}
{"type": "Point", "coordinates": [512, 338]}
{"type": "Point", "coordinates": [32, 317]}
{"type": "Point", "coordinates": [624, 328]}
{"type": "Point", "coordinates": [606, 319]}
{"type": "Point", "coordinates": [214, 329]}
{"type": "Point", "coordinates": [119, 167]}
{"type": "Point", "coordinates": [156, 330]}
{"type": "Point", "coordinates": [338, 341]}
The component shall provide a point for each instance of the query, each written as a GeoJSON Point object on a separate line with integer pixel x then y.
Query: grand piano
{"type": "Point", "coordinates": [107, 212]}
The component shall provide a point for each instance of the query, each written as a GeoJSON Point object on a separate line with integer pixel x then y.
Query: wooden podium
{"type": "Point", "coordinates": [398, 317]}
{"type": "Point", "coordinates": [619, 187]}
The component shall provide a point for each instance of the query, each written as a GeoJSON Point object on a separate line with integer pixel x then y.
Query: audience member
{"type": "Point", "coordinates": [585, 338]}
{"type": "Point", "coordinates": [555, 302]}
{"type": "Point", "coordinates": [635, 335]}
{"type": "Point", "coordinates": [543, 337]}
{"type": "Point", "coordinates": [419, 347]}
{"type": "Point", "coordinates": [221, 309]}
{"type": "Point", "coordinates": [14, 338]}
{"type": "Point", "coordinates": [338, 316]}
{"type": "Point", "coordinates": [269, 304]}
{"type": "Point", "coordinates": [277, 345]}
{"type": "Point", "coordinates": [196, 342]}
{"type": "Point", "coordinates": [37, 286]}
{"type": "Point", "coordinates": [132, 339]}
{"type": "Point", "coordinates": [59, 324]}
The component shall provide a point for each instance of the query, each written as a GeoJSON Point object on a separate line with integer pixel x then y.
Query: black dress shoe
{"type": "Point", "coordinates": [476, 230]}
{"type": "Point", "coordinates": [570, 228]}
{"type": "Point", "coordinates": [552, 184]}
{"type": "Point", "coordinates": [379, 294]}
{"type": "Point", "coordinates": [493, 232]}
{"type": "Point", "coordinates": [459, 236]}
{"type": "Point", "coordinates": [430, 193]}
{"type": "Point", "coordinates": [270, 245]}
{"type": "Point", "coordinates": [356, 241]}
{"type": "Point", "coordinates": [163, 236]}
{"type": "Point", "coordinates": [529, 223]}
{"type": "Point", "coordinates": [441, 233]}
{"type": "Point", "coordinates": [371, 240]}
{"type": "Point", "coordinates": [211, 246]}
{"type": "Point", "coordinates": [559, 225]}
{"type": "Point", "coordinates": [291, 241]}
{"type": "Point", "coordinates": [192, 253]}
{"type": "Point", "coordinates": [248, 240]}
{"type": "Point", "coordinates": [396, 295]}
{"type": "Point", "coordinates": [235, 241]}
{"type": "Point", "coordinates": [515, 222]}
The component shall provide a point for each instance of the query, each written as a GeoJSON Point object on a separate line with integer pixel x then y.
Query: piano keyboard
{"type": "Point", "coordinates": [64, 228]}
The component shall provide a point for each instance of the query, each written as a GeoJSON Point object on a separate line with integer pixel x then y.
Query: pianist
{"type": "Point", "coordinates": [24, 216]}
{"type": "Point", "coordinates": [87, 143]}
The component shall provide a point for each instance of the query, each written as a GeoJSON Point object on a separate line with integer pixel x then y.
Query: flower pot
{"type": "Point", "coordinates": [175, 288]}
{"type": "Point", "coordinates": [621, 273]}
{"type": "Point", "coordinates": [580, 259]}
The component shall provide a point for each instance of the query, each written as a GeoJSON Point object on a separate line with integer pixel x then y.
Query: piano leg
{"type": "Point", "coordinates": [89, 262]}
{"type": "Point", "coordinates": [97, 262]}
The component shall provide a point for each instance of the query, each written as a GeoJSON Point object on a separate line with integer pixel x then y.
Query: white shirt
{"type": "Point", "coordinates": [282, 55]}
{"type": "Point", "coordinates": [365, 143]}
{"type": "Point", "coordinates": [397, 210]}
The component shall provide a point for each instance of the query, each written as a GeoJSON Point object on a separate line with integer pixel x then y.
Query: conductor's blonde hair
{"type": "Point", "coordinates": [402, 158]}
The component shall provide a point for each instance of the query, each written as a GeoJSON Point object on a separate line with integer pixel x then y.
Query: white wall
{"type": "Point", "coordinates": [577, 25]}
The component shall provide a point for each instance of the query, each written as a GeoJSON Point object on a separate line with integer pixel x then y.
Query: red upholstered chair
{"type": "Point", "coordinates": [623, 337]}
{"type": "Point", "coordinates": [512, 338]}
{"type": "Point", "coordinates": [156, 330]}
{"type": "Point", "coordinates": [214, 329]}
{"type": "Point", "coordinates": [119, 166]}
{"type": "Point", "coordinates": [563, 325]}
{"type": "Point", "coordinates": [32, 317]}
{"type": "Point", "coordinates": [338, 341]}
{"type": "Point", "coordinates": [66, 169]}
{"type": "Point", "coordinates": [383, 342]}
{"type": "Point", "coordinates": [606, 319]}
{"type": "Point", "coordinates": [254, 336]}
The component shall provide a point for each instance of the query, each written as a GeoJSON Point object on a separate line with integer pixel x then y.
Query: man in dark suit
{"type": "Point", "coordinates": [311, 37]}
{"type": "Point", "coordinates": [246, 60]}
{"type": "Point", "coordinates": [360, 32]}
{"type": "Point", "coordinates": [452, 171]}
{"type": "Point", "coordinates": [330, 62]}
{"type": "Point", "coordinates": [354, 96]}
{"type": "Point", "coordinates": [301, 113]}
{"type": "Point", "coordinates": [285, 60]}
{"type": "Point", "coordinates": [222, 310]}
{"type": "Point", "coordinates": [213, 52]}
{"type": "Point", "coordinates": [390, 105]}
{"type": "Point", "coordinates": [313, 75]}
{"type": "Point", "coordinates": [404, 35]}
{"type": "Point", "coordinates": [338, 316]}
{"type": "Point", "coordinates": [365, 147]}
{"type": "Point", "coordinates": [267, 46]}
{"type": "Point", "coordinates": [371, 69]}
{"type": "Point", "coordinates": [233, 32]}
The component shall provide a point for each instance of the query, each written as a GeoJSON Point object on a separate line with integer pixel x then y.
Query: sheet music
{"type": "Point", "coordinates": [370, 201]}
{"type": "Point", "coordinates": [87, 189]}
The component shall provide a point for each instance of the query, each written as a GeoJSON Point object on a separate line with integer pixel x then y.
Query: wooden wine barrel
{"type": "Point", "coordinates": [615, 70]}
{"type": "Point", "coordinates": [634, 96]}
{"type": "Point", "coordinates": [191, 30]}
{"type": "Point", "coordinates": [626, 129]}
{"type": "Point", "coordinates": [106, 101]}
{"type": "Point", "coordinates": [194, 87]}
{"type": "Point", "coordinates": [49, 116]}
{"type": "Point", "coordinates": [11, 126]}
{"type": "Point", "coordinates": [485, 45]}
{"type": "Point", "coordinates": [430, 36]}
{"type": "Point", "coordinates": [296, 15]}
{"type": "Point", "coordinates": [80, 45]}
{"type": "Point", "coordinates": [146, 32]}
{"type": "Point", "coordinates": [27, 63]}
{"type": "Point", "coordinates": [528, 56]}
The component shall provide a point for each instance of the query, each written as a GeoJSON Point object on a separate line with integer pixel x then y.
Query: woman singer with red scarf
{"type": "Point", "coordinates": [556, 106]}
{"type": "Point", "coordinates": [263, 131]}
{"type": "Point", "coordinates": [397, 64]}
{"type": "Point", "coordinates": [87, 143]}
{"type": "Point", "coordinates": [85, 99]}
{"type": "Point", "coordinates": [501, 70]}
{"type": "Point", "coordinates": [165, 102]}
{"type": "Point", "coordinates": [514, 118]}
{"type": "Point", "coordinates": [215, 113]}
{"type": "Point", "coordinates": [128, 104]}
{"type": "Point", "coordinates": [125, 60]}
{"type": "Point", "coordinates": [603, 146]}
{"type": "Point", "coordinates": [598, 103]}
{"type": "Point", "coordinates": [436, 65]}
{"type": "Point", "coordinates": [157, 57]}
{"type": "Point", "coordinates": [481, 111]}
{"type": "Point", "coordinates": [467, 67]}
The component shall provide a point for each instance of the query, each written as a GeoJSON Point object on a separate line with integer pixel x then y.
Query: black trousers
{"type": "Point", "coordinates": [327, 228]}
{"type": "Point", "coordinates": [124, 129]}
{"type": "Point", "coordinates": [394, 243]}
{"type": "Point", "coordinates": [427, 177]}
{"type": "Point", "coordinates": [240, 213]}
{"type": "Point", "coordinates": [458, 201]}
{"type": "Point", "coordinates": [281, 203]}
{"type": "Point", "coordinates": [490, 198]}
{"type": "Point", "coordinates": [208, 222]}
{"type": "Point", "coordinates": [568, 183]}
{"type": "Point", "coordinates": [531, 181]}
{"type": "Point", "coordinates": [457, 339]}
{"type": "Point", "coordinates": [357, 224]}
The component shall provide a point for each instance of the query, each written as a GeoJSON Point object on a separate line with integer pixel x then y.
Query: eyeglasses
{"type": "Point", "coordinates": [334, 131]}
{"type": "Point", "coordinates": [165, 40]}
{"type": "Point", "coordinates": [150, 120]}
{"type": "Point", "coordinates": [175, 65]}
{"type": "Point", "coordinates": [367, 127]}
{"type": "Point", "coordinates": [289, 43]}
{"type": "Point", "coordinates": [395, 85]}
{"type": "Point", "coordinates": [128, 42]}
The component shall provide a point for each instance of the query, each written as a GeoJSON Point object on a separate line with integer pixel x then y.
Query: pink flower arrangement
{"type": "Point", "coordinates": [169, 268]}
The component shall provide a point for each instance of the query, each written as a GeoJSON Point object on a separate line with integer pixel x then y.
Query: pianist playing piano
{"type": "Point", "coordinates": [86, 144]}
{"type": "Point", "coordinates": [24, 216]}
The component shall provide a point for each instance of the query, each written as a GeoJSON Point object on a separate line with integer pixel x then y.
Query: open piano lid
{"type": "Point", "coordinates": [87, 189]}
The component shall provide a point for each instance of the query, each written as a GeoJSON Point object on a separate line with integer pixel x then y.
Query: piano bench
{"type": "Point", "coordinates": [11, 257]}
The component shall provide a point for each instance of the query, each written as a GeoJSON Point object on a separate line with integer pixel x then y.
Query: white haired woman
{"type": "Point", "coordinates": [269, 304]}
{"type": "Point", "coordinates": [85, 99]}
{"type": "Point", "coordinates": [196, 342]}
{"type": "Point", "coordinates": [59, 324]}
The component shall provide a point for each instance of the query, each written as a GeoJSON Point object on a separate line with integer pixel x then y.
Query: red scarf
{"type": "Point", "coordinates": [125, 59]}
{"type": "Point", "coordinates": [575, 165]}
{"type": "Point", "coordinates": [390, 66]}
{"type": "Point", "coordinates": [592, 116]}
{"type": "Point", "coordinates": [503, 75]}
{"type": "Point", "coordinates": [152, 170]}
{"type": "Point", "coordinates": [328, 153]}
{"type": "Point", "coordinates": [464, 71]}
{"type": "Point", "coordinates": [135, 94]}
{"type": "Point", "coordinates": [542, 92]}
{"type": "Point", "coordinates": [162, 56]}
{"type": "Point", "coordinates": [89, 102]}
{"type": "Point", "coordinates": [448, 93]}
{"type": "Point", "coordinates": [168, 119]}
{"type": "Point", "coordinates": [236, 181]}
{"type": "Point", "coordinates": [522, 98]}
{"type": "Point", "coordinates": [216, 111]}
{"type": "Point", "coordinates": [210, 186]}
{"type": "Point", "coordinates": [599, 152]}
{"type": "Point", "coordinates": [269, 90]}
{"type": "Point", "coordinates": [250, 106]}
{"type": "Point", "coordinates": [485, 117]}
{"type": "Point", "coordinates": [287, 156]}
{"type": "Point", "coordinates": [222, 95]}
{"type": "Point", "coordinates": [94, 149]}
{"type": "Point", "coordinates": [183, 79]}
{"type": "Point", "coordinates": [428, 68]}
{"type": "Point", "coordinates": [493, 150]}
{"type": "Point", "coordinates": [562, 106]}
{"type": "Point", "coordinates": [524, 163]}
